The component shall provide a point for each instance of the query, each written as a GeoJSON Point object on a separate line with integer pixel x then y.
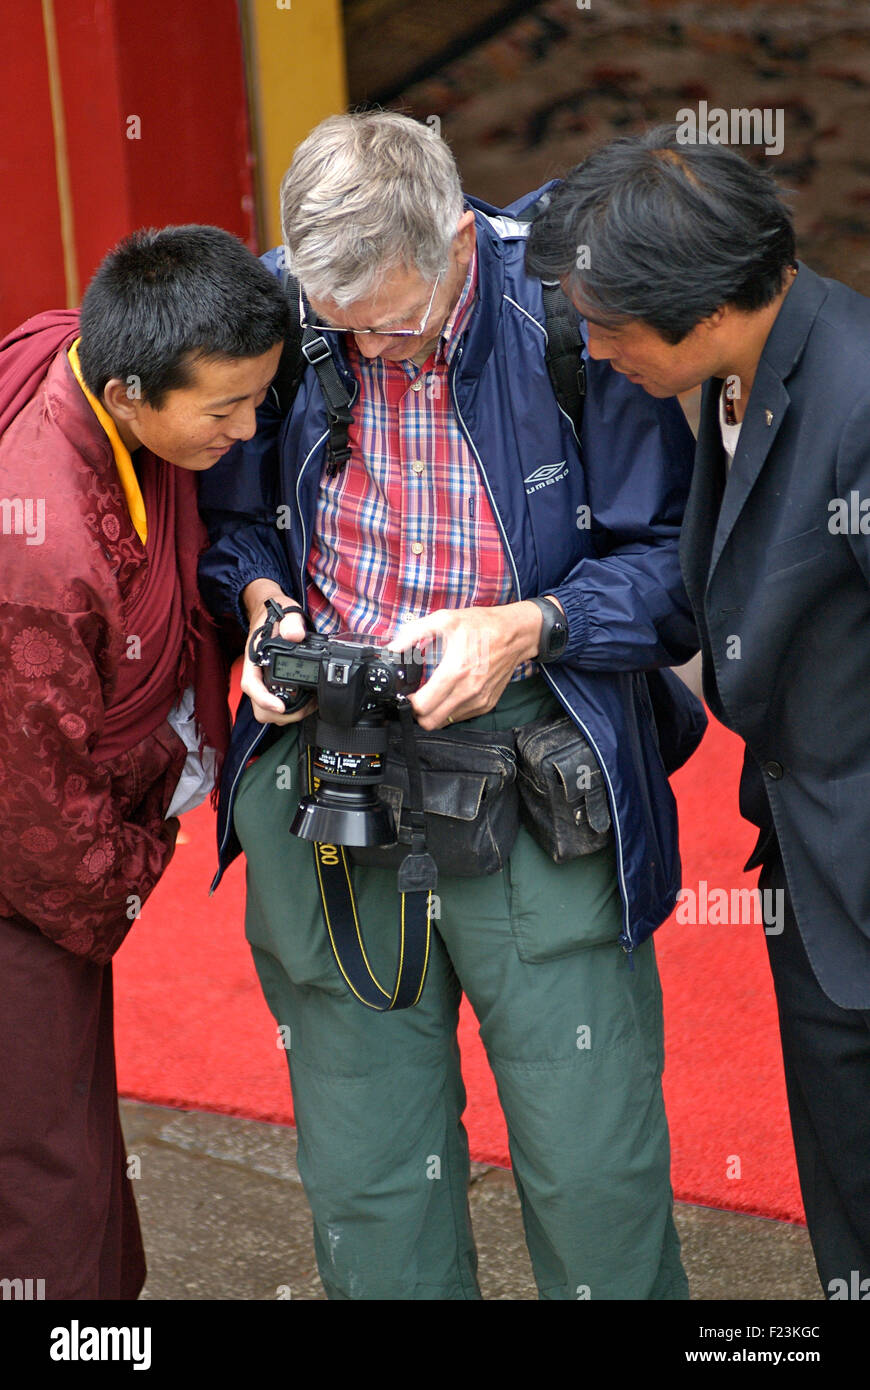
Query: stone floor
{"type": "Point", "coordinates": [224, 1217]}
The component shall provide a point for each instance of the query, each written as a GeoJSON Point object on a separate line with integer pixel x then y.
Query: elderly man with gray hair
{"type": "Point", "coordinates": [536, 569]}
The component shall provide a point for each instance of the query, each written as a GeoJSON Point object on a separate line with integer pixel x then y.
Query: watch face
{"type": "Point", "coordinates": [558, 638]}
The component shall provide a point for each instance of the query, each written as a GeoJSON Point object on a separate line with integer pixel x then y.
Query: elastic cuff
{"type": "Point", "coordinates": [574, 605]}
{"type": "Point", "coordinates": [247, 577]}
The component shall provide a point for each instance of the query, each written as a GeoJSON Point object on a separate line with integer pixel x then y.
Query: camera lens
{"type": "Point", "coordinates": [346, 765]}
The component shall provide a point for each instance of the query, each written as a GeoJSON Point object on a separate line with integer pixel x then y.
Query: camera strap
{"type": "Point", "coordinates": [416, 882]}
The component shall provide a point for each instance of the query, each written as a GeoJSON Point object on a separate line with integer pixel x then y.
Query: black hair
{"type": "Point", "coordinates": [162, 299]}
{"type": "Point", "coordinates": [649, 228]}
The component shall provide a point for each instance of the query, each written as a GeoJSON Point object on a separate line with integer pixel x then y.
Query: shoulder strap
{"type": "Point", "coordinates": [416, 882]}
{"type": "Point", "coordinates": [301, 348]}
{"type": "Point", "coordinates": [291, 366]}
{"type": "Point", "coordinates": [564, 352]}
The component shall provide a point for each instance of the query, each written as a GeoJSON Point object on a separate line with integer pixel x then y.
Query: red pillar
{"type": "Point", "coordinates": [149, 126]}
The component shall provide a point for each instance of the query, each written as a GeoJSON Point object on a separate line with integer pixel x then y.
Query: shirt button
{"type": "Point", "coordinates": [417, 385]}
{"type": "Point", "coordinates": [774, 770]}
{"type": "Point", "coordinates": [417, 466]}
{"type": "Point", "coordinates": [417, 547]}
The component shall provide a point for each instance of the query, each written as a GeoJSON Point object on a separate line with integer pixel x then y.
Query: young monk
{"type": "Point", "coordinates": [112, 699]}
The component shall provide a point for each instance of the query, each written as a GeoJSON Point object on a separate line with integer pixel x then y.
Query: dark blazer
{"type": "Point", "coordinates": [782, 601]}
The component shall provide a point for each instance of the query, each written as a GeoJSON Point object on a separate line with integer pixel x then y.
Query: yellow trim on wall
{"type": "Point", "coordinates": [61, 161]}
{"type": "Point", "coordinates": [296, 77]}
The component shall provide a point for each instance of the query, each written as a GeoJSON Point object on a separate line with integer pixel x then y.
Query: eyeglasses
{"type": "Point", "coordinates": [305, 322]}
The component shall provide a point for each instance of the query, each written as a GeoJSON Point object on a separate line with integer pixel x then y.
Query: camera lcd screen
{"type": "Point", "coordinates": [295, 668]}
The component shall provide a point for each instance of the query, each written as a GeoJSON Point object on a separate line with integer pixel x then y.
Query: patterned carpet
{"type": "Point", "coordinates": [527, 103]}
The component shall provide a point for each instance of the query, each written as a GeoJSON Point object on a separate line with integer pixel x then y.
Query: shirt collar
{"type": "Point", "coordinates": [458, 320]}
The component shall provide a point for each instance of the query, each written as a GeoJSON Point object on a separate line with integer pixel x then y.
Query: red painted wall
{"type": "Point", "coordinates": [180, 70]}
{"type": "Point", "coordinates": [31, 256]}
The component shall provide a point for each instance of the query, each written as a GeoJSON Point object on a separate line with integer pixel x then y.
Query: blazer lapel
{"type": "Point", "coordinates": [709, 513]}
{"type": "Point", "coordinates": [705, 497]}
{"type": "Point", "coordinates": [767, 406]}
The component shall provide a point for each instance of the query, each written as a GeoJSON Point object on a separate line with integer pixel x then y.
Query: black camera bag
{"type": "Point", "coordinates": [562, 793]}
{"type": "Point", "coordinates": [470, 799]}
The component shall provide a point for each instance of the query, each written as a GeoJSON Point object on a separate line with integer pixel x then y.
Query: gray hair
{"type": "Point", "coordinates": [367, 193]}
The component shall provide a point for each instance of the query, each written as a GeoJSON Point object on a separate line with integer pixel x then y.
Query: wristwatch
{"type": "Point", "coordinates": [554, 630]}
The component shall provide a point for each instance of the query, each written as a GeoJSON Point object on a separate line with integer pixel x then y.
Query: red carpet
{"type": "Point", "coordinates": [194, 1032]}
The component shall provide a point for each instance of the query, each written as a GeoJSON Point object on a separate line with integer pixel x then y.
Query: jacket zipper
{"type": "Point", "coordinates": [231, 795]}
{"type": "Point", "coordinates": [625, 939]}
{"type": "Point", "coordinates": [325, 435]}
{"type": "Point", "coordinates": [304, 551]}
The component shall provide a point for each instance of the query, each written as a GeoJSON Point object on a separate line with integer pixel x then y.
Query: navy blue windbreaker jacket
{"type": "Point", "coordinates": [614, 567]}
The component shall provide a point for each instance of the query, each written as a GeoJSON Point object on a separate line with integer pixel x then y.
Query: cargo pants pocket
{"type": "Point", "coordinates": [557, 909]}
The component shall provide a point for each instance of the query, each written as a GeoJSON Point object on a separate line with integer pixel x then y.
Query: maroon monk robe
{"type": "Point", "coordinates": [88, 765]}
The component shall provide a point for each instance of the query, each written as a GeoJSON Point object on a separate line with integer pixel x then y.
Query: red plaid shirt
{"type": "Point", "coordinates": [406, 527]}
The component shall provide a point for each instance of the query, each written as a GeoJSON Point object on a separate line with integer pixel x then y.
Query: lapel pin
{"type": "Point", "coordinates": [768, 415]}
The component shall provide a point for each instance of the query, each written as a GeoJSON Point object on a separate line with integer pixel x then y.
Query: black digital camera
{"type": "Point", "coordinates": [357, 681]}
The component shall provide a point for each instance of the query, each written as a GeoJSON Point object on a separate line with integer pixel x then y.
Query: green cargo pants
{"type": "Point", "coordinates": [573, 1035]}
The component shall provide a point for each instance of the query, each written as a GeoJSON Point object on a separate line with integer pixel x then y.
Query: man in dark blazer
{"type": "Point", "coordinates": [681, 257]}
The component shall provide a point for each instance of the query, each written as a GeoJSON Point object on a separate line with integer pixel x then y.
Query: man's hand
{"type": "Point", "coordinates": [480, 649]}
{"type": "Point", "coordinates": [268, 709]}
